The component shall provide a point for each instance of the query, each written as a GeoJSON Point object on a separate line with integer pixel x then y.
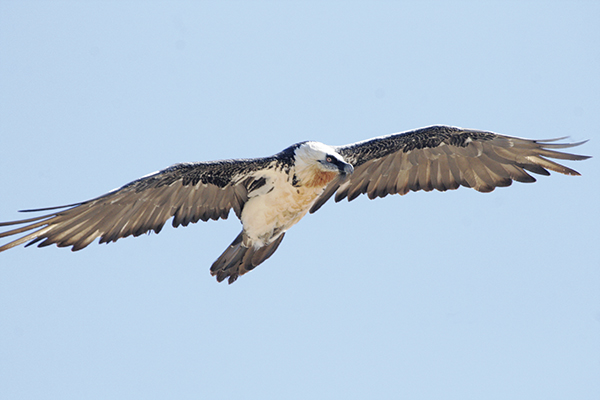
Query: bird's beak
{"type": "Point", "coordinates": [347, 169]}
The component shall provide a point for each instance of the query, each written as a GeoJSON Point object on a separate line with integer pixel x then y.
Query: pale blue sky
{"type": "Point", "coordinates": [456, 295]}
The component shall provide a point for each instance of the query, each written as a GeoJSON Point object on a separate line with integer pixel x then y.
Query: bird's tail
{"type": "Point", "coordinates": [238, 259]}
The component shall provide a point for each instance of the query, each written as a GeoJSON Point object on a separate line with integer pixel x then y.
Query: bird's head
{"type": "Point", "coordinates": [317, 164]}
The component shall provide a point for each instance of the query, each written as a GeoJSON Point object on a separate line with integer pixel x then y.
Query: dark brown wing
{"type": "Point", "coordinates": [187, 192]}
{"type": "Point", "coordinates": [443, 158]}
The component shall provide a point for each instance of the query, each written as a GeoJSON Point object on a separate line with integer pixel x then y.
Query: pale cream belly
{"type": "Point", "coordinates": [266, 217]}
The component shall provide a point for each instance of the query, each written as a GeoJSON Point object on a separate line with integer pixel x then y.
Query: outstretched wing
{"type": "Point", "coordinates": [187, 192]}
{"type": "Point", "coordinates": [443, 158]}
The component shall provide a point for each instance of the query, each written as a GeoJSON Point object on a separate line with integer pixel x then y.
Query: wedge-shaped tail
{"type": "Point", "coordinates": [238, 258]}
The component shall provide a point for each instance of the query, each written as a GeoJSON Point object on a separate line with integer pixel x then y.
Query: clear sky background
{"type": "Point", "coordinates": [456, 295]}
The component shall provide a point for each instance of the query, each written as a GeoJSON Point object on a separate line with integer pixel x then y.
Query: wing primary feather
{"type": "Point", "coordinates": [535, 168]}
{"type": "Point", "coordinates": [27, 227]}
{"type": "Point", "coordinates": [54, 208]}
{"type": "Point", "coordinates": [551, 165]}
{"type": "Point", "coordinates": [545, 143]}
{"type": "Point", "coordinates": [26, 221]}
{"type": "Point", "coordinates": [518, 174]}
{"type": "Point", "coordinates": [59, 234]}
{"type": "Point", "coordinates": [24, 239]}
{"type": "Point", "coordinates": [561, 156]}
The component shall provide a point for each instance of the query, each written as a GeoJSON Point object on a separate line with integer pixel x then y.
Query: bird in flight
{"type": "Point", "coordinates": [271, 194]}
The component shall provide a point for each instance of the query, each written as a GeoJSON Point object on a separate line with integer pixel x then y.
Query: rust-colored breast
{"type": "Point", "coordinates": [321, 179]}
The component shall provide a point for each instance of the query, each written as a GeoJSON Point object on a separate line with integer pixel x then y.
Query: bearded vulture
{"type": "Point", "coordinates": [271, 194]}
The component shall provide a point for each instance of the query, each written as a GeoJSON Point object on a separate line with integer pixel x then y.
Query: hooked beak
{"type": "Point", "coordinates": [346, 169]}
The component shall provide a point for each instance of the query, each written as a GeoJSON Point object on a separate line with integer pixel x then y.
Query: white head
{"type": "Point", "coordinates": [316, 164]}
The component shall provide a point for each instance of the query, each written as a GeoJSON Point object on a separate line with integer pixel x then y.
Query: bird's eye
{"type": "Point", "coordinates": [329, 159]}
